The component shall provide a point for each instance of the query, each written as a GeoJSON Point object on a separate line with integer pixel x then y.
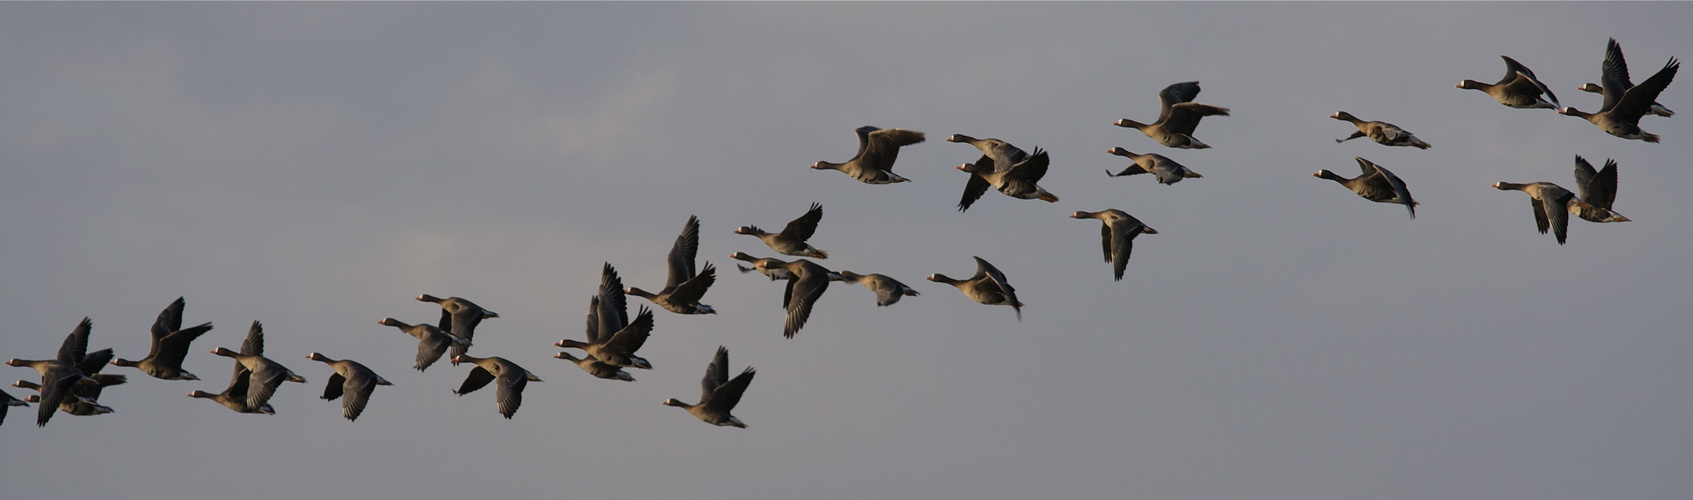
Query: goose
{"type": "Point", "coordinates": [1614, 72]}
{"type": "Point", "coordinates": [888, 290]}
{"type": "Point", "coordinates": [1383, 133]}
{"type": "Point", "coordinates": [987, 286]}
{"type": "Point", "coordinates": [1376, 184]}
{"type": "Point", "coordinates": [806, 285]}
{"type": "Point", "coordinates": [618, 348]}
{"type": "Point", "coordinates": [84, 399]}
{"type": "Point", "coordinates": [1001, 152]}
{"type": "Point", "coordinates": [234, 397]}
{"type": "Point", "coordinates": [719, 393]}
{"type": "Point", "coordinates": [1117, 235]}
{"type": "Point", "coordinates": [877, 150]}
{"type": "Point", "coordinates": [588, 362]}
{"type": "Point", "coordinates": [611, 337]}
{"type": "Point", "coordinates": [774, 272]}
{"type": "Point", "coordinates": [683, 289]}
{"type": "Point", "coordinates": [1622, 118]}
{"type": "Point", "coordinates": [792, 239]}
{"type": "Point", "coordinates": [59, 376]}
{"type": "Point", "coordinates": [264, 375]}
{"type": "Point", "coordinates": [432, 341]}
{"type": "Point", "coordinates": [1178, 116]}
{"type": "Point", "coordinates": [7, 402]}
{"type": "Point", "coordinates": [1552, 205]}
{"type": "Point", "coordinates": [351, 379]}
{"type": "Point", "coordinates": [463, 315]}
{"type": "Point", "coordinates": [511, 379]}
{"type": "Point", "coordinates": [1518, 89]}
{"type": "Point", "coordinates": [1166, 170]}
{"type": "Point", "coordinates": [1017, 180]}
{"type": "Point", "coordinates": [170, 345]}
{"type": "Point", "coordinates": [1598, 189]}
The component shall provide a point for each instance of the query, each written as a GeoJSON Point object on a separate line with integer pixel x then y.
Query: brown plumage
{"type": "Point", "coordinates": [877, 150]}
{"type": "Point", "coordinates": [1375, 184]}
{"type": "Point", "coordinates": [1116, 235]}
{"type": "Point", "coordinates": [1178, 116]}
{"type": "Point", "coordinates": [1383, 133]}
{"type": "Point", "coordinates": [987, 286]}
{"type": "Point", "coordinates": [1518, 89]}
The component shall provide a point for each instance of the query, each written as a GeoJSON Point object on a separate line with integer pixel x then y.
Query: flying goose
{"type": "Point", "coordinates": [1166, 170]}
{"type": "Point", "coordinates": [1017, 176]}
{"type": "Point", "coordinates": [510, 380]}
{"type": "Point", "coordinates": [1117, 235]}
{"type": "Point", "coordinates": [1598, 190]}
{"type": "Point", "coordinates": [877, 150]}
{"type": "Point", "coordinates": [1614, 72]}
{"type": "Point", "coordinates": [1383, 133]}
{"type": "Point", "coordinates": [59, 376]}
{"type": "Point", "coordinates": [719, 394]}
{"type": "Point", "coordinates": [1375, 184]}
{"type": "Point", "coordinates": [806, 284]}
{"type": "Point", "coordinates": [1178, 116]}
{"type": "Point", "coordinates": [888, 290]}
{"type": "Point", "coordinates": [352, 380]}
{"type": "Point", "coordinates": [1552, 205]}
{"type": "Point", "coordinates": [432, 341]}
{"type": "Point", "coordinates": [170, 345]}
{"type": "Point", "coordinates": [1518, 89]}
{"type": "Point", "coordinates": [987, 286]}
{"type": "Point", "coordinates": [683, 289]}
{"type": "Point", "coordinates": [1622, 118]}
{"type": "Point", "coordinates": [792, 239]}
{"type": "Point", "coordinates": [463, 315]}
{"type": "Point", "coordinates": [264, 375]}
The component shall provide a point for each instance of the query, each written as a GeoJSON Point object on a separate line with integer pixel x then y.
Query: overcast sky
{"type": "Point", "coordinates": [315, 166]}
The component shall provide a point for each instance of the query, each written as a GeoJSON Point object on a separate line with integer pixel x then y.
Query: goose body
{"type": "Point", "coordinates": [1178, 116]}
{"type": "Point", "coordinates": [1552, 205]}
{"type": "Point", "coordinates": [432, 341]}
{"type": "Point", "coordinates": [792, 239]}
{"type": "Point", "coordinates": [169, 345]}
{"type": "Point", "coordinates": [806, 285]}
{"type": "Point", "coordinates": [1518, 89]}
{"type": "Point", "coordinates": [264, 375]}
{"type": "Point", "coordinates": [888, 290]}
{"type": "Point", "coordinates": [1376, 184]}
{"type": "Point", "coordinates": [611, 338]}
{"type": "Point", "coordinates": [509, 380]}
{"type": "Point", "coordinates": [235, 396]}
{"type": "Point", "coordinates": [774, 271]}
{"type": "Point", "coordinates": [462, 316]}
{"type": "Point", "coordinates": [719, 393]}
{"type": "Point", "coordinates": [987, 286]}
{"type": "Point", "coordinates": [683, 289]}
{"type": "Point", "coordinates": [877, 150]}
{"type": "Point", "coordinates": [352, 380]}
{"type": "Point", "coordinates": [1116, 235]}
{"type": "Point", "coordinates": [1010, 171]}
{"type": "Point", "coordinates": [1166, 170]}
{"type": "Point", "coordinates": [1383, 133]}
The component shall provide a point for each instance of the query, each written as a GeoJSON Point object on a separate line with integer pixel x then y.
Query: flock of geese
{"type": "Point", "coordinates": [71, 382]}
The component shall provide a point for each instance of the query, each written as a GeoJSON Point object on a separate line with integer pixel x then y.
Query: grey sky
{"type": "Point", "coordinates": [314, 166]}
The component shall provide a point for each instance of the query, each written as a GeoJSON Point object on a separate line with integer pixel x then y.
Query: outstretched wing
{"type": "Point", "coordinates": [977, 186]}
{"type": "Point", "coordinates": [681, 259]}
{"type": "Point", "coordinates": [1174, 94]}
{"type": "Point", "coordinates": [802, 228]}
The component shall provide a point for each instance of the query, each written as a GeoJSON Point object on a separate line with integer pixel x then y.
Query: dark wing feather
{"type": "Point", "coordinates": [1524, 80]}
{"type": "Point", "coordinates": [804, 291]}
{"type": "Point", "coordinates": [1399, 191]}
{"type": "Point", "coordinates": [238, 383]}
{"type": "Point", "coordinates": [1637, 101]}
{"type": "Point", "coordinates": [1184, 117]}
{"type": "Point", "coordinates": [681, 258]}
{"type": "Point", "coordinates": [802, 228]}
{"type": "Point", "coordinates": [1584, 174]}
{"type": "Point", "coordinates": [509, 395]}
{"type": "Point", "coordinates": [1123, 234]}
{"type": "Point", "coordinates": [975, 188]}
{"type": "Point", "coordinates": [358, 394]}
{"type": "Point", "coordinates": [691, 291]}
{"type": "Point", "coordinates": [56, 386]}
{"type": "Point", "coordinates": [983, 268]}
{"type": "Point", "coordinates": [632, 337]}
{"type": "Point", "coordinates": [1601, 190]}
{"type": "Point", "coordinates": [1105, 240]}
{"type": "Point", "coordinates": [1539, 215]}
{"type": "Point", "coordinates": [76, 344]}
{"type": "Point", "coordinates": [1556, 208]}
{"type": "Point", "coordinates": [477, 379]}
{"type": "Point", "coordinates": [169, 320]}
{"type": "Point", "coordinates": [593, 331]}
{"type": "Point", "coordinates": [1613, 75]}
{"type": "Point", "coordinates": [716, 373]}
{"type": "Point", "coordinates": [1174, 94]}
{"type": "Point", "coordinates": [173, 348]}
{"type": "Point", "coordinates": [430, 348]}
{"type": "Point", "coordinates": [877, 149]}
{"type": "Point", "coordinates": [254, 344]}
{"type": "Point", "coordinates": [1033, 169]}
{"type": "Point", "coordinates": [335, 387]}
{"type": "Point", "coordinates": [729, 394]}
{"type": "Point", "coordinates": [262, 384]}
{"type": "Point", "coordinates": [614, 303]}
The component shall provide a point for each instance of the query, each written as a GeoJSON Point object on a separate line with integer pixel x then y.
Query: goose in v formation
{"type": "Point", "coordinates": [1178, 116]}
{"type": "Point", "coordinates": [1614, 72]}
{"type": "Point", "coordinates": [1116, 235]}
{"type": "Point", "coordinates": [987, 286]}
{"type": "Point", "coordinates": [463, 316]}
{"type": "Point", "coordinates": [719, 394]}
{"type": "Point", "coordinates": [1518, 89]}
{"type": "Point", "coordinates": [1381, 132]}
{"type": "Point", "coordinates": [683, 288]}
{"type": "Point", "coordinates": [1376, 184]}
{"type": "Point", "coordinates": [877, 150]}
